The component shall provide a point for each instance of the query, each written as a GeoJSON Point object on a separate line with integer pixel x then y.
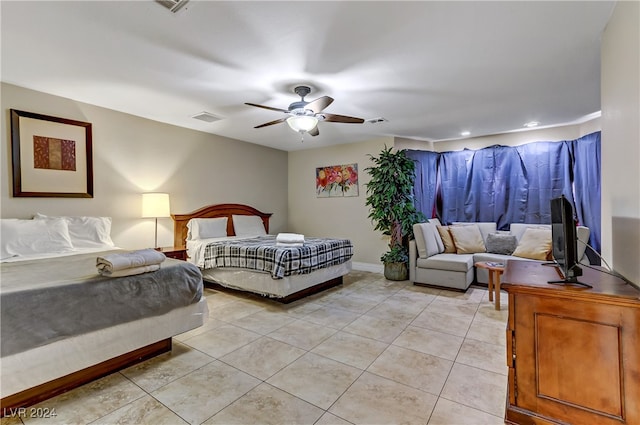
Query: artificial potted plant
{"type": "Point", "coordinates": [390, 199]}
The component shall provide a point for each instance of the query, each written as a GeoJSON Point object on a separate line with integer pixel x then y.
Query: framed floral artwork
{"type": "Point", "coordinates": [50, 156]}
{"type": "Point", "coordinates": [337, 181]}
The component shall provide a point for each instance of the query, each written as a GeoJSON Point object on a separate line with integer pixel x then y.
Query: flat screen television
{"type": "Point", "coordinates": [564, 242]}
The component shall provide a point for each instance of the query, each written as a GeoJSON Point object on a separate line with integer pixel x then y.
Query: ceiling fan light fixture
{"type": "Point", "coordinates": [302, 123]}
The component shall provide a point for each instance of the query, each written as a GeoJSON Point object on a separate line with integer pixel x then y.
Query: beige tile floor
{"type": "Point", "coordinates": [369, 352]}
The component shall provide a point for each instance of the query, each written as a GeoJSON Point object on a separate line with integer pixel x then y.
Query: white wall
{"type": "Point", "coordinates": [336, 217]}
{"type": "Point", "coordinates": [551, 134]}
{"type": "Point", "coordinates": [132, 155]}
{"type": "Point", "coordinates": [620, 84]}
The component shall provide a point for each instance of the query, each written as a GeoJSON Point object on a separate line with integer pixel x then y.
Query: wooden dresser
{"type": "Point", "coordinates": [573, 352]}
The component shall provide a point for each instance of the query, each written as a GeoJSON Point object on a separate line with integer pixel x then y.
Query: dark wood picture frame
{"type": "Point", "coordinates": [21, 124]}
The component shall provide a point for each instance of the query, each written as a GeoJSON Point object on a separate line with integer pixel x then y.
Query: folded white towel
{"type": "Point", "coordinates": [131, 271]}
{"type": "Point", "coordinates": [290, 238]}
{"type": "Point", "coordinates": [289, 244]}
{"type": "Point", "coordinates": [127, 260]}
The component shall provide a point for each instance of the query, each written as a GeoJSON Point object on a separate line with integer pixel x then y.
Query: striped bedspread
{"type": "Point", "coordinates": [261, 253]}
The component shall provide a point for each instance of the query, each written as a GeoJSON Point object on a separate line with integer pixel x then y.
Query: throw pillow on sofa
{"type": "Point", "coordinates": [467, 238]}
{"type": "Point", "coordinates": [500, 243]}
{"type": "Point", "coordinates": [447, 240]}
{"type": "Point", "coordinates": [427, 239]}
{"type": "Point", "coordinates": [535, 244]}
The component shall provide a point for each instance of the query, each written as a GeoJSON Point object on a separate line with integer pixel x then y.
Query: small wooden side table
{"type": "Point", "coordinates": [495, 271]}
{"type": "Point", "coordinates": [174, 252]}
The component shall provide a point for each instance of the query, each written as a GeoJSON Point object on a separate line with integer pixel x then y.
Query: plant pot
{"type": "Point", "coordinates": [395, 271]}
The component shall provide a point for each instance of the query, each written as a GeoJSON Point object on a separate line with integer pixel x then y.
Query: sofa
{"type": "Point", "coordinates": [444, 256]}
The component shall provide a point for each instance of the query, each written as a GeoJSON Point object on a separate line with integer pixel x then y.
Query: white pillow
{"type": "Point", "coordinates": [25, 237]}
{"type": "Point", "coordinates": [248, 225]}
{"type": "Point", "coordinates": [206, 228]}
{"type": "Point", "coordinates": [85, 231]}
{"type": "Point", "coordinates": [4, 238]}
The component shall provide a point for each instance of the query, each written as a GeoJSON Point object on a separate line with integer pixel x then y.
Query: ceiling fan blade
{"type": "Point", "coordinates": [267, 107]}
{"type": "Point", "coordinates": [271, 123]}
{"type": "Point", "coordinates": [319, 104]}
{"type": "Point", "coordinates": [314, 131]}
{"type": "Point", "coordinates": [342, 118]}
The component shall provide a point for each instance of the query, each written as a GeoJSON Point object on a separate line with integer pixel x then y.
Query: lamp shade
{"type": "Point", "coordinates": [302, 123]}
{"type": "Point", "coordinates": [155, 205]}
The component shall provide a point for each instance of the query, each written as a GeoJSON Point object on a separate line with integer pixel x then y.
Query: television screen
{"type": "Point", "coordinates": [564, 241]}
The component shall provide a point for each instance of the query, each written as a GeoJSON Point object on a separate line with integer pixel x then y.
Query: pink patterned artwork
{"type": "Point", "coordinates": [54, 154]}
{"type": "Point", "coordinates": [337, 180]}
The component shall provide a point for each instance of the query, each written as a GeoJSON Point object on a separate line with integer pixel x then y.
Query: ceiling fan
{"type": "Point", "coordinates": [303, 116]}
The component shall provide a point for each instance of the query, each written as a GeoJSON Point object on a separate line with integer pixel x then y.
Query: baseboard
{"type": "Point", "coordinates": [367, 267]}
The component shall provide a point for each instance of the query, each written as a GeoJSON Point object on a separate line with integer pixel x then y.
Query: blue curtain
{"type": "Point", "coordinates": [511, 187]}
{"type": "Point", "coordinates": [454, 170]}
{"type": "Point", "coordinates": [547, 168]}
{"type": "Point", "coordinates": [496, 187]}
{"type": "Point", "coordinates": [426, 181]}
{"type": "Point", "coordinates": [586, 170]}
{"type": "Point", "coordinates": [512, 184]}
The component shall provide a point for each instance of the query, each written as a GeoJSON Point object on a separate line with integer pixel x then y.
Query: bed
{"type": "Point", "coordinates": [225, 235]}
{"type": "Point", "coordinates": [64, 325]}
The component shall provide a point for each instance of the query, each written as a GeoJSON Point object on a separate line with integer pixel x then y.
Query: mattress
{"type": "Point", "coordinates": [263, 284]}
{"type": "Point", "coordinates": [48, 362]}
{"type": "Point", "coordinates": [47, 300]}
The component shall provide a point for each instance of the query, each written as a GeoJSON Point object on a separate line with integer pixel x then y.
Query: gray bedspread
{"type": "Point", "coordinates": [42, 301]}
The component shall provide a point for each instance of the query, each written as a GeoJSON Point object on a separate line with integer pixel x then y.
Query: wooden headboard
{"type": "Point", "coordinates": [213, 211]}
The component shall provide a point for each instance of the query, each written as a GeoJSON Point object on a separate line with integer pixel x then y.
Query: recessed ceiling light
{"type": "Point", "coordinates": [532, 124]}
{"type": "Point", "coordinates": [465, 133]}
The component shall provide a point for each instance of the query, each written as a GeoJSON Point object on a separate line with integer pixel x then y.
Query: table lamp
{"type": "Point", "coordinates": [155, 205]}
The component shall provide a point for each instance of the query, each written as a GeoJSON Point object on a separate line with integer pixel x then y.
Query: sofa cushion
{"type": "Point", "coordinates": [428, 240]}
{"type": "Point", "coordinates": [500, 243]}
{"type": "Point", "coordinates": [518, 229]}
{"type": "Point", "coordinates": [452, 262]}
{"type": "Point", "coordinates": [447, 240]}
{"type": "Point", "coordinates": [467, 238]}
{"type": "Point", "coordinates": [496, 258]}
{"type": "Point", "coordinates": [534, 244]}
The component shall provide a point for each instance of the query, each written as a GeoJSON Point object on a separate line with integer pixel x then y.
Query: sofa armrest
{"type": "Point", "coordinates": [413, 256]}
{"type": "Point", "coordinates": [582, 233]}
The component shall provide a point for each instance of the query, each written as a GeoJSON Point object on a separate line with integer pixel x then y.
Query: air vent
{"type": "Point", "coordinates": [376, 120]}
{"type": "Point", "coordinates": [206, 116]}
{"type": "Point", "coordinates": [173, 5]}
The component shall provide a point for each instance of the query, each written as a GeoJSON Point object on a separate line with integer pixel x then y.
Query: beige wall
{"type": "Point", "coordinates": [132, 155]}
{"type": "Point", "coordinates": [336, 217]}
{"type": "Point", "coordinates": [621, 140]}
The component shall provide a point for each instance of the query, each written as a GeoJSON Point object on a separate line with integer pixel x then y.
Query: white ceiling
{"type": "Point", "coordinates": [432, 69]}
